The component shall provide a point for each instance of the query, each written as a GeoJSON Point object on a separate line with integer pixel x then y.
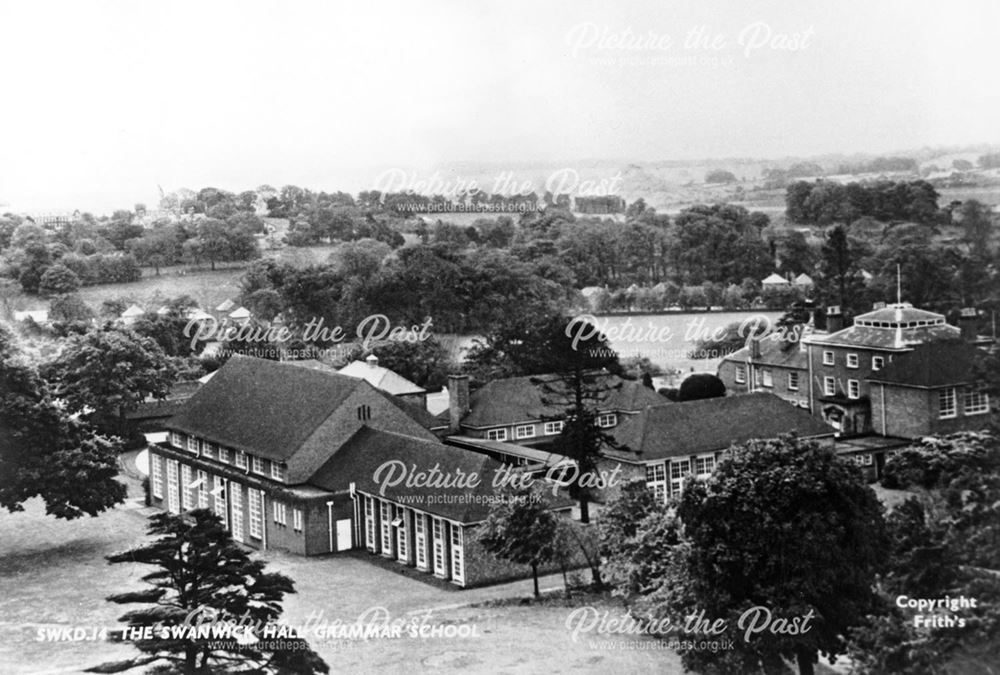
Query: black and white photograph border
{"type": "Point", "coordinates": [499, 337]}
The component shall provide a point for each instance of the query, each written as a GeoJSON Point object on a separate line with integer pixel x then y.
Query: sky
{"type": "Point", "coordinates": [102, 102]}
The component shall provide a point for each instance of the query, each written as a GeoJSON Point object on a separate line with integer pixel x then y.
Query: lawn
{"type": "Point", "coordinates": [53, 574]}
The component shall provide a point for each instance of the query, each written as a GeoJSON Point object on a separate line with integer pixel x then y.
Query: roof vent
{"type": "Point", "coordinates": [372, 360]}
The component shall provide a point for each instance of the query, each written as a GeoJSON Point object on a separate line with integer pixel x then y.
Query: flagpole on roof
{"type": "Point", "coordinates": [899, 287]}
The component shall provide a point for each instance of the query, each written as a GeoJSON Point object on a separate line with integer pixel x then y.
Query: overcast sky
{"type": "Point", "coordinates": [103, 101]}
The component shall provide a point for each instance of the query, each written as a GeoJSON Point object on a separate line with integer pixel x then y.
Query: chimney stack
{"type": "Point", "coordinates": [968, 322]}
{"type": "Point", "coordinates": [834, 319]}
{"type": "Point", "coordinates": [753, 344]}
{"type": "Point", "coordinates": [458, 401]}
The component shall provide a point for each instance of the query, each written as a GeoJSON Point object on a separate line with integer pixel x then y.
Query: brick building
{"type": "Point", "coordinates": [288, 458]}
{"type": "Point", "coordinates": [664, 444]}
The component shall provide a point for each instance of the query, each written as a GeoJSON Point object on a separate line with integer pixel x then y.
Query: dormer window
{"type": "Point", "coordinates": [177, 440]}
{"type": "Point", "coordinates": [277, 471]}
{"type": "Point", "coordinates": [192, 444]}
{"type": "Point", "coordinates": [258, 465]}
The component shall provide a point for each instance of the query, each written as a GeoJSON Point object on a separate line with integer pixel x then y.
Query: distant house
{"type": "Point", "coordinates": [803, 281]}
{"type": "Point", "coordinates": [130, 315]}
{"type": "Point", "coordinates": [226, 306]}
{"type": "Point", "coordinates": [37, 315]}
{"type": "Point", "coordinates": [667, 443]}
{"type": "Point", "coordinates": [386, 380]}
{"type": "Point", "coordinates": [775, 280]}
{"type": "Point", "coordinates": [240, 314]}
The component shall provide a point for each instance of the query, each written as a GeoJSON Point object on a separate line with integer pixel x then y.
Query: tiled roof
{"type": "Point", "coordinates": [382, 378]}
{"type": "Point", "coordinates": [887, 338]}
{"type": "Point", "coordinates": [935, 364]}
{"type": "Point", "coordinates": [902, 312]}
{"type": "Point", "coordinates": [774, 352]}
{"type": "Point", "coordinates": [531, 398]}
{"type": "Point", "coordinates": [713, 424]}
{"type": "Point", "coordinates": [359, 459]}
{"type": "Point", "coordinates": [264, 407]}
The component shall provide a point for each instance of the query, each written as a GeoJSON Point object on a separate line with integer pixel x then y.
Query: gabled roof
{"type": "Point", "coordinates": [226, 306]}
{"type": "Point", "coordinates": [267, 408]}
{"type": "Point", "coordinates": [240, 313]}
{"type": "Point", "coordinates": [886, 338]}
{"type": "Point", "coordinates": [711, 425]}
{"type": "Point", "coordinates": [934, 364]}
{"type": "Point", "coordinates": [359, 459]}
{"type": "Point", "coordinates": [382, 378]}
{"type": "Point", "coordinates": [133, 310]}
{"type": "Point", "coordinates": [775, 278]}
{"type": "Point", "coordinates": [803, 280]}
{"type": "Point", "coordinates": [535, 397]}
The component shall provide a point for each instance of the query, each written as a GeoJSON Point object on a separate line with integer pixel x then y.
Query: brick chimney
{"type": "Point", "coordinates": [458, 401]}
{"type": "Point", "coordinates": [968, 322]}
{"type": "Point", "coordinates": [753, 344]}
{"type": "Point", "coordinates": [834, 319]}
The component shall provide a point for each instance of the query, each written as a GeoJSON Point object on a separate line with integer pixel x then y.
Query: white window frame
{"type": "Point", "coordinates": [829, 386]}
{"type": "Point", "coordinates": [947, 412]}
{"type": "Point", "coordinates": [741, 373]}
{"type": "Point", "coordinates": [975, 401]}
{"type": "Point", "coordinates": [853, 389]}
{"type": "Point", "coordinates": [524, 431]}
{"type": "Point", "coordinates": [172, 487]}
{"type": "Point", "coordinates": [277, 471]}
{"type": "Point", "coordinates": [255, 503]}
{"type": "Point", "coordinates": [457, 554]}
{"type": "Point", "coordinates": [236, 504]}
{"type": "Point", "coordinates": [828, 358]}
{"type": "Point", "coordinates": [767, 377]}
{"type": "Point", "coordinates": [223, 454]}
{"type": "Point", "coordinates": [370, 524]}
{"type": "Point", "coordinates": [156, 475]}
{"type": "Point", "coordinates": [853, 361]}
{"type": "Point", "coordinates": [553, 428]}
{"type": "Point", "coordinates": [420, 539]}
{"type": "Point", "coordinates": [402, 534]}
{"type": "Point", "coordinates": [704, 465]}
{"type": "Point", "coordinates": [177, 439]}
{"type": "Point", "coordinates": [496, 434]}
{"type": "Point", "coordinates": [258, 465]}
{"type": "Point", "coordinates": [280, 512]}
{"type": "Point", "coordinates": [607, 420]}
{"type": "Point", "coordinates": [438, 544]}
{"type": "Point", "coordinates": [192, 445]}
{"type": "Point", "coordinates": [385, 517]}
{"type": "Point", "coordinates": [209, 450]}
{"type": "Point", "coordinates": [297, 519]}
{"type": "Point", "coordinates": [793, 380]}
{"type": "Point", "coordinates": [241, 459]}
{"type": "Point", "coordinates": [202, 476]}
{"type": "Point", "coordinates": [187, 499]}
{"type": "Point", "coordinates": [221, 503]}
{"type": "Point", "coordinates": [878, 363]}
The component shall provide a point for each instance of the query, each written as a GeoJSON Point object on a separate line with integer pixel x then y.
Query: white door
{"type": "Point", "coordinates": [344, 535]}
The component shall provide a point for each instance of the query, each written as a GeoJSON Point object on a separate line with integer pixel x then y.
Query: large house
{"type": "Point", "coordinates": [835, 374]}
{"type": "Point", "coordinates": [288, 457]}
{"type": "Point", "coordinates": [667, 443]}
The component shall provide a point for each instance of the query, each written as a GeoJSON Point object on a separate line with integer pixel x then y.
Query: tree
{"type": "Point", "coordinates": [158, 247]}
{"type": "Point", "coordinates": [796, 255]}
{"type": "Point", "coordinates": [720, 176]}
{"type": "Point", "coordinates": [200, 573]}
{"type": "Point", "coordinates": [107, 372]}
{"type": "Point", "coordinates": [522, 529]}
{"type": "Point", "coordinates": [701, 385]}
{"type": "Point", "coordinates": [424, 362]}
{"type": "Point", "coordinates": [786, 524]}
{"type": "Point", "coordinates": [69, 309]}
{"type": "Point", "coordinates": [46, 453]}
{"type": "Point", "coordinates": [34, 262]}
{"type": "Point", "coordinates": [841, 282]}
{"type": "Point", "coordinates": [58, 280]}
{"type": "Point", "coordinates": [944, 542]}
